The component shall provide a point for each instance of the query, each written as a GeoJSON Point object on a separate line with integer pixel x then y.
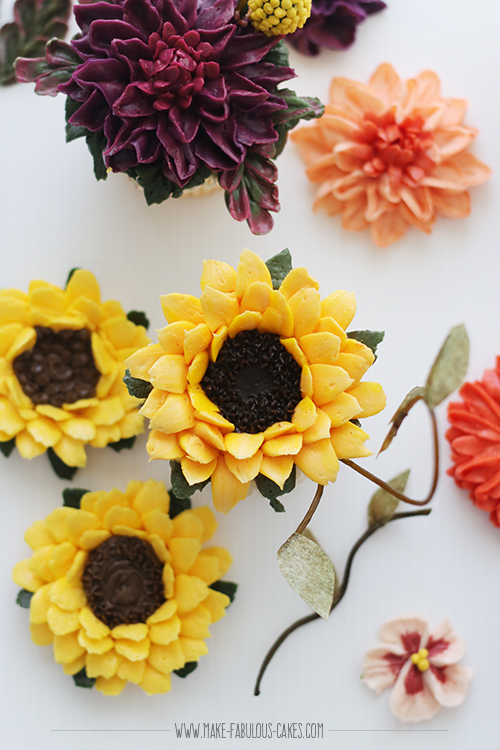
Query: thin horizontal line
{"type": "Point", "coordinates": [110, 730]}
{"type": "Point", "coordinates": [387, 730]}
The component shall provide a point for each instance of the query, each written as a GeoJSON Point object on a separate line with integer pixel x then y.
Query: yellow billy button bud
{"type": "Point", "coordinates": [420, 659]}
{"type": "Point", "coordinates": [277, 17]}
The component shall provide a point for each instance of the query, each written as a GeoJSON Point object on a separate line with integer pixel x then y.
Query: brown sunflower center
{"type": "Point", "coordinates": [123, 581]}
{"type": "Point", "coordinates": [255, 381]}
{"type": "Point", "coordinates": [59, 369]}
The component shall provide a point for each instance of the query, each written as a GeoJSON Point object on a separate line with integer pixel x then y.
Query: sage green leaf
{"type": "Point", "coordinates": [279, 266]}
{"type": "Point", "coordinates": [72, 497]}
{"type": "Point", "coordinates": [188, 667]}
{"type": "Point", "coordinates": [124, 443]}
{"type": "Point", "coordinates": [83, 680]}
{"type": "Point", "coordinates": [62, 470]}
{"type": "Point", "coordinates": [272, 491]}
{"type": "Point", "coordinates": [96, 143]}
{"type": "Point", "coordinates": [371, 339]}
{"type": "Point", "coordinates": [24, 598]}
{"type": "Point", "coordinates": [178, 505]}
{"type": "Point", "coordinates": [138, 318]}
{"type": "Point", "coordinates": [180, 486]}
{"type": "Point", "coordinates": [449, 368]}
{"type": "Point", "coordinates": [137, 387]}
{"type": "Point", "coordinates": [7, 447]}
{"type": "Point", "coordinates": [225, 587]}
{"type": "Point", "coordinates": [383, 505]}
{"type": "Point", "coordinates": [401, 413]}
{"type": "Point", "coordinates": [309, 571]}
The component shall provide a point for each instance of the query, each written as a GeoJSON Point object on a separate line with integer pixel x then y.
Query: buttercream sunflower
{"type": "Point", "coordinates": [61, 370]}
{"type": "Point", "coordinates": [122, 589]}
{"type": "Point", "coordinates": [255, 377]}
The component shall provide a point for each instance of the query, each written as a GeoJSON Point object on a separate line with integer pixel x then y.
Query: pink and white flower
{"type": "Point", "coordinates": [420, 665]}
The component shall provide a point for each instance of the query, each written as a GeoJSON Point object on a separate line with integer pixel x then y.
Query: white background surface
{"type": "Point", "coordinates": [54, 216]}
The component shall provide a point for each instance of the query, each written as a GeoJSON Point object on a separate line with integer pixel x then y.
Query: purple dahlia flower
{"type": "Point", "coordinates": [332, 24]}
{"type": "Point", "coordinates": [171, 91]}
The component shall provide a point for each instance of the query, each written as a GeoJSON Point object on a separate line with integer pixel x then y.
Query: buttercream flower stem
{"type": "Point", "coordinates": [387, 487]}
{"type": "Point", "coordinates": [341, 592]}
{"type": "Point", "coordinates": [311, 511]}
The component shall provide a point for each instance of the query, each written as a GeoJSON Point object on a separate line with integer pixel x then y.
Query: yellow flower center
{"type": "Point", "coordinates": [420, 659]}
{"type": "Point", "coordinates": [276, 17]}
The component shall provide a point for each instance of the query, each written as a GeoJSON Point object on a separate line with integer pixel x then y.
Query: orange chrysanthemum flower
{"type": "Point", "coordinates": [391, 155]}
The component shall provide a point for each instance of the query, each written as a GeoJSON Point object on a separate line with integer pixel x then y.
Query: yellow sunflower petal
{"type": "Point", "coordinates": [113, 686]}
{"type": "Point", "coordinates": [206, 567]}
{"type": "Point", "coordinates": [219, 309]}
{"type": "Point", "coordinates": [354, 365]}
{"type": "Point", "coordinates": [153, 682]}
{"type": "Point", "coordinates": [52, 412]}
{"type": "Point", "coordinates": [80, 522]}
{"type": "Point", "coordinates": [68, 596]}
{"type": "Point", "coordinates": [321, 348]}
{"type": "Point", "coordinates": [156, 522]}
{"type": "Point", "coordinates": [217, 603]}
{"type": "Point", "coordinates": [62, 622]}
{"type": "Point", "coordinates": [277, 468]}
{"type": "Point", "coordinates": [140, 362]}
{"type": "Point", "coordinates": [286, 445]}
{"type": "Point", "coordinates": [209, 434]}
{"type": "Point", "coordinates": [343, 408]}
{"type": "Point", "coordinates": [159, 547]}
{"type": "Point", "coordinates": [196, 341]}
{"type": "Point", "coordinates": [107, 412]}
{"type": "Point", "coordinates": [166, 658]}
{"type": "Point", "coordinates": [370, 396]}
{"type": "Point", "coordinates": [218, 275]}
{"type": "Point", "coordinates": [246, 321]}
{"type": "Point", "coordinates": [25, 340]}
{"type": "Point", "coordinates": [215, 419]}
{"type": "Point", "coordinates": [306, 309]}
{"type": "Point", "coordinates": [222, 555]}
{"type": "Point", "coordinates": [318, 461]}
{"type": "Point", "coordinates": [71, 451]}
{"type": "Point", "coordinates": [75, 666]}
{"type": "Point", "coordinates": [193, 648]}
{"type": "Point", "coordinates": [56, 523]}
{"type": "Point", "coordinates": [27, 446]}
{"type": "Point", "coordinates": [12, 310]}
{"type": "Point", "coordinates": [197, 449]}
{"type": "Point", "coordinates": [42, 635]}
{"type": "Point", "coordinates": [257, 297]}
{"type": "Point", "coordinates": [218, 340]}
{"type": "Point", "coordinates": [348, 441]}
{"type": "Point", "coordinates": [83, 284]}
{"type": "Point", "coordinates": [79, 428]}
{"type": "Point", "coordinates": [135, 632]}
{"type": "Point", "coordinates": [189, 592]}
{"type": "Point", "coordinates": [341, 306]}
{"type": "Point", "coordinates": [67, 648]}
{"type": "Point", "coordinates": [251, 268]}
{"type": "Point", "coordinates": [328, 382]}
{"type": "Point", "coordinates": [10, 421]}
{"type": "Point", "coordinates": [164, 633]}
{"type": "Point", "coordinates": [103, 665]}
{"type": "Point", "coordinates": [279, 428]}
{"type": "Point", "coordinates": [242, 444]}
{"type": "Point", "coordinates": [74, 574]}
{"type": "Point", "coordinates": [294, 349]}
{"type": "Point", "coordinates": [194, 472]}
{"type": "Point", "coordinates": [198, 368]}
{"type": "Point", "coordinates": [319, 430]}
{"type": "Point", "coordinates": [95, 646]}
{"type": "Point", "coordinates": [152, 495]}
{"type": "Point", "coordinates": [118, 515]}
{"type": "Point", "coordinates": [184, 552]}
{"type": "Point", "coordinates": [306, 382]}
{"type": "Point", "coordinates": [161, 446]}
{"type": "Point", "coordinates": [244, 469]}
{"type": "Point", "coordinates": [132, 671]}
{"type": "Point", "coordinates": [278, 317]}
{"type": "Point", "coordinates": [38, 535]}
{"type": "Point", "coordinates": [181, 307]}
{"type": "Point", "coordinates": [8, 334]}
{"type": "Point", "coordinates": [62, 559]}
{"type": "Point", "coordinates": [94, 627]}
{"type": "Point", "coordinates": [188, 524]}
{"type": "Point", "coordinates": [175, 415]}
{"type": "Point", "coordinates": [171, 337]}
{"type": "Point", "coordinates": [297, 279]}
{"type": "Point", "coordinates": [304, 414]}
{"type": "Point", "coordinates": [331, 325]}
{"type": "Point", "coordinates": [195, 623]}
{"type": "Point", "coordinates": [163, 613]}
{"type": "Point", "coordinates": [169, 373]}
{"type": "Point", "coordinates": [133, 650]}
{"type": "Point", "coordinates": [40, 603]}
{"type": "Point", "coordinates": [227, 491]}
{"type": "Point", "coordinates": [208, 520]}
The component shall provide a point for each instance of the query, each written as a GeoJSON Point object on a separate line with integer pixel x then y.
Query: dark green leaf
{"type": "Point", "coordinates": [178, 505]}
{"type": "Point", "coordinates": [371, 339]}
{"type": "Point", "coordinates": [138, 318]}
{"type": "Point", "coordinates": [309, 572]}
{"type": "Point", "coordinates": [10, 47]}
{"type": "Point", "coordinates": [401, 413]}
{"type": "Point", "coordinates": [180, 486]}
{"type": "Point", "coordinates": [279, 266]}
{"type": "Point", "coordinates": [120, 445]}
{"type": "Point", "coordinates": [272, 491]}
{"type": "Point", "coordinates": [70, 274]}
{"type": "Point", "coordinates": [7, 447]}
{"type": "Point", "coordinates": [62, 470]}
{"type": "Point", "coordinates": [25, 12]}
{"type": "Point", "coordinates": [137, 387]}
{"type": "Point", "coordinates": [225, 587]}
{"type": "Point", "coordinates": [189, 667]}
{"type": "Point", "coordinates": [383, 505]}
{"type": "Point", "coordinates": [72, 497]}
{"type": "Point", "coordinates": [449, 368]}
{"type": "Point", "coordinates": [24, 598]}
{"type": "Point", "coordinates": [278, 55]}
{"type": "Point", "coordinates": [355, 422]}
{"type": "Point", "coordinates": [96, 143]}
{"type": "Point", "coordinates": [82, 680]}
{"type": "Point", "coordinates": [73, 131]}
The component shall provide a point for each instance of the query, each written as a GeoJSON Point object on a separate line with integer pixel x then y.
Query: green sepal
{"type": "Point", "coordinates": [157, 188]}
{"type": "Point", "coordinates": [178, 505]}
{"type": "Point", "coordinates": [70, 274]}
{"type": "Point", "coordinates": [279, 267]}
{"type": "Point", "coordinates": [120, 445]}
{"type": "Point", "coordinates": [72, 497]}
{"type": "Point", "coordinates": [272, 491]}
{"type": "Point", "coordinates": [371, 339]}
{"type": "Point", "coordinates": [180, 486]}
{"type": "Point", "coordinates": [7, 447]}
{"type": "Point", "coordinates": [82, 679]}
{"type": "Point", "coordinates": [73, 131]}
{"type": "Point", "coordinates": [278, 55]}
{"type": "Point", "coordinates": [137, 387]}
{"type": "Point", "coordinates": [138, 318]}
{"type": "Point", "coordinates": [62, 470]}
{"type": "Point", "coordinates": [24, 598]}
{"type": "Point", "coordinates": [96, 143]}
{"type": "Point", "coordinates": [225, 587]}
{"type": "Point", "coordinates": [188, 667]}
